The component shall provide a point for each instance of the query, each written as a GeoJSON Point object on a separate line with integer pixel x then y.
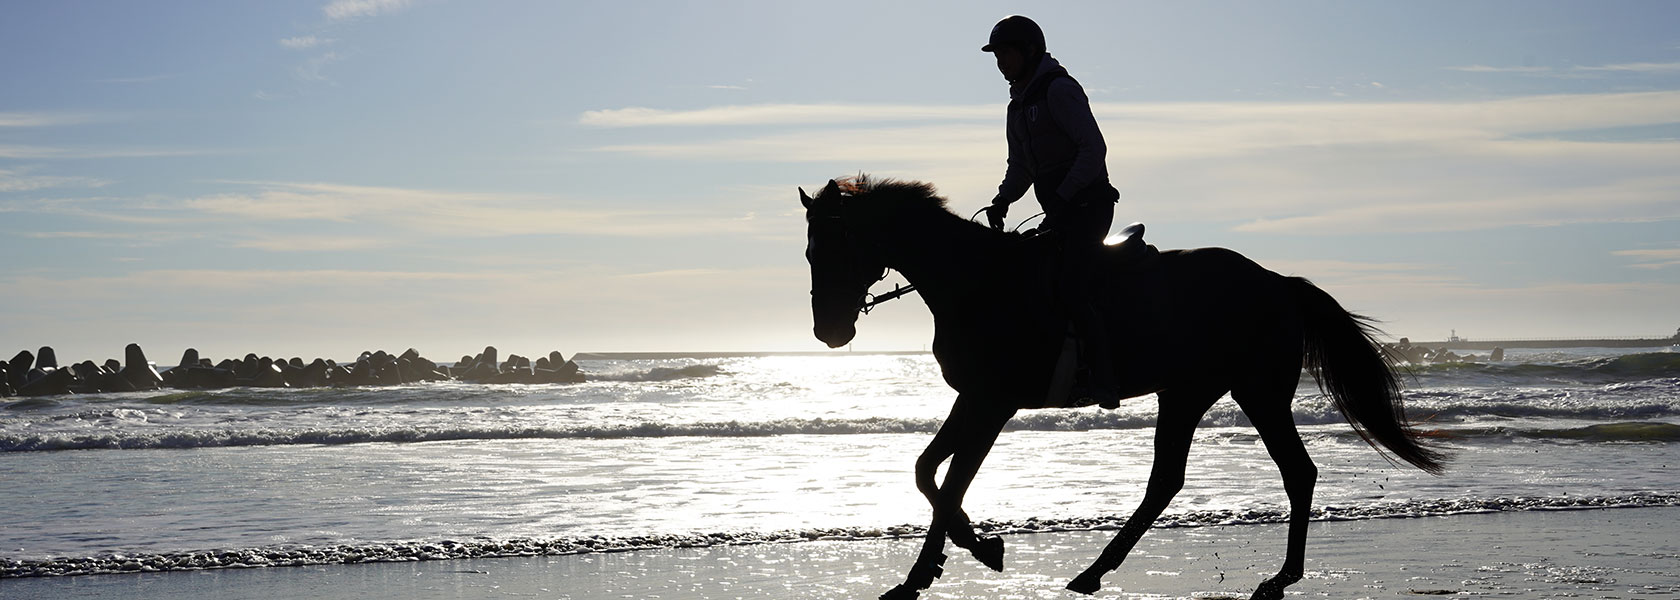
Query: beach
{"type": "Point", "coordinates": [1596, 553]}
{"type": "Point", "coordinates": [791, 477]}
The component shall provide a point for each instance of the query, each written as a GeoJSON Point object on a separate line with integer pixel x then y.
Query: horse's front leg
{"type": "Point", "coordinates": [966, 437]}
{"type": "Point", "coordinates": [987, 549]}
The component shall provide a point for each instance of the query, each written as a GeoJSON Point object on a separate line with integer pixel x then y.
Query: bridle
{"type": "Point", "coordinates": [865, 300]}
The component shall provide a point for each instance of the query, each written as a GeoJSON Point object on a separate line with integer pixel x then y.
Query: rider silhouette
{"type": "Point", "coordinates": [1056, 148]}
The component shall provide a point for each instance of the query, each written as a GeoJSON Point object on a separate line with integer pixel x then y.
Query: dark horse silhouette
{"type": "Point", "coordinates": [1177, 304]}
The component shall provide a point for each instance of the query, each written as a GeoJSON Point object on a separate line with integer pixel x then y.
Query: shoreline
{"type": "Point", "coordinates": [479, 548]}
{"type": "Point", "coordinates": [1602, 553]}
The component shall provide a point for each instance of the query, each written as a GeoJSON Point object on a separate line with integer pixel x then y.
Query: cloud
{"type": "Point", "coordinates": [455, 214]}
{"type": "Point", "coordinates": [1426, 301]}
{"type": "Point", "coordinates": [310, 70]}
{"type": "Point", "coordinates": [1575, 71]}
{"type": "Point", "coordinates": [1490, 69]}
{"type": "Point", "coordinates": [1296, 168]}
{"type": "Point", "coordinates": [341, 10]}
{"type": "Point", "coordinates": [79, 235]}
{"type": "Point", "coordinates": [877, 146]}
{"type": "Point", "coordinates": [304, 42]}
{"type": "Point", "coordinates": [1652, 258]}
{"type": "Point", "coordinates": [50, 152]}
{"type": "Point", "coordinates": [139, 79]}
{"type": "Point", "coordinates": [1642, 67]}
{"type": "Point", "coordinates": [37, 119]}
{"type": "Point", "coordinates": [19, 180]}
{"type": "Point", "coordinates": [338, 312]}
{"type": "Point", "coordinates": [311, 243]}
{"type": "Point", "coordinates": [290, 216]}
{"type": "Point", "coordinates": [786, 114]}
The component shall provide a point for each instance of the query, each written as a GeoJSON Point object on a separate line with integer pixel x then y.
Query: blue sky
{"type": "Point", "coordinates": [318, 178]}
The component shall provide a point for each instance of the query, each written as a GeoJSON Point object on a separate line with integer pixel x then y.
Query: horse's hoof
{"type": "Point", "coordinates": [1086, 584]}
{"type": "Point", "coordinates": [989, 551]}
{"type": "Point", "coordinates": [1272, 589]}
{"type": "Point", "coordinates": [901, 592]}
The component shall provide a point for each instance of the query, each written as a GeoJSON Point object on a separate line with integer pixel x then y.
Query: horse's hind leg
{"type": "Point", "coordinates": [1174, 427]}
{"type": "Point", "coordinates": [1269, 411]}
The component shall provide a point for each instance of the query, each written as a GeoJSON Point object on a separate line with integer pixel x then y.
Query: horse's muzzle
{"type": "Point", "coordinates": [836, 335]}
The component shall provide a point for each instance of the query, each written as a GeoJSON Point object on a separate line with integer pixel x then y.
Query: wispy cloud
{"type": "Point", "coordinates": [786, 114]}
{"type": "Point", "coordinates": [53, 152]}
{"type": "Point", "coordinates": [882, 145]}
{"type": "Point", "coordinates": [1640, 67]}
{"type": "Point", "coordinates": [20, 180]}
{"type": "Point", "coordinates": [304, 42]}
{"type": "Point", "coordinates": [312, 243]}
{"type": "Point", "coordinates": [1492, 69]}
{"type": "Point", "coordinates": [261, 215]}
{"type": "Point", "coordinates": [1575, 71]}
{"type": "Point", "coordinates": [449, 213]}
{"type": "Point", "coordinates": [139, 78]}
{"type": "Point", "coordinates": [40, 119]}
{"type": "Point", "coordinates": [340, 10]}
{"type": "Point", "coordinates": [1656, 258]}
{"type": "Point", "coordinates": [1310, 167]}
{"type": "Point", "coordinates": [79, 235]}
{"type": "Point", "coordinates": [310, 70]}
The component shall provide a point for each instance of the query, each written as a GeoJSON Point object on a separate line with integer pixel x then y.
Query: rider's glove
{"type": "Point", "coordinates": [995, 214]}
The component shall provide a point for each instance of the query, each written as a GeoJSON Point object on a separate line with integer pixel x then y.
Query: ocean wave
{"type": "Point", "coordinates": [444, 392]}
{"type": "Point", "coordinates": [407, 551]}
{"type": "Point", "coordinates": [661, 373]}
{"type": "Point", "coordinates": [1627, 367]}
{"type": "Point", "coordinates": [222, 438]}
{"type": "Point", "coordinates": [1603, 432]}
{"type": "Point", "coordinates": [1052, 421]}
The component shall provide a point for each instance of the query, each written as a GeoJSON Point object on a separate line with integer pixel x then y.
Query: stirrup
{"type": "Point", "coordinates": [1086, 396]}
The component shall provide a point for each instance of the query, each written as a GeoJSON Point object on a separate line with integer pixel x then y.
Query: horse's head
{"type": "Point", "coordinates": [843, 265]}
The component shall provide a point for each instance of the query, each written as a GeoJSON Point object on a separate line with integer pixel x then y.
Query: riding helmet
{"type": "Point", "coordinates": [1015, 30]}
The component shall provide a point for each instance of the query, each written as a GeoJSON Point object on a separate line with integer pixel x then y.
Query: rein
{"type": "Point", "coordinates": [870, 301]}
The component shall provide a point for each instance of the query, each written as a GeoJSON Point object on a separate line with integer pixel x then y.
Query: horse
{"type": "Point", "coordinates": [1173, 303]}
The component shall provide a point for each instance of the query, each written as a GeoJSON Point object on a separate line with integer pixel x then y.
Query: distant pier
{"type": "Point", "coordinates": [1613, 342]}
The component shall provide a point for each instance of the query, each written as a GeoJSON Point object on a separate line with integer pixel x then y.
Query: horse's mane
{"type": "Point", "coordinates": [902, 194]}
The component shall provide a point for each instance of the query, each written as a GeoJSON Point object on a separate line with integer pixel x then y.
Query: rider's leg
{"type": "Point", "coordinates": [1081, 250]}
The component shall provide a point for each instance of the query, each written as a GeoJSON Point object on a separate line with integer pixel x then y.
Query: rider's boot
{"type": "Point", "coordinates": [1099, 362]}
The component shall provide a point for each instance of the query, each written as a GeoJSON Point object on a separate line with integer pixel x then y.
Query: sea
{"type": "Point", "coordinates": [677, 452]}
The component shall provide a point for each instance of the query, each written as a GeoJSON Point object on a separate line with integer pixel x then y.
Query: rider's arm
{"type": "Point", "coordinates": [1072, 111]}
{"type": "Point", "coordinates": [1016, 179]}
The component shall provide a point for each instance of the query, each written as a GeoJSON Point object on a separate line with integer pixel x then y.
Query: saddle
{"type": "Point", "coordinates": [1126, 252]}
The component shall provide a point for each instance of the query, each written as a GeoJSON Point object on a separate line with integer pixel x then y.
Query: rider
{"type": "Point", "coordinates": [1056, 148]}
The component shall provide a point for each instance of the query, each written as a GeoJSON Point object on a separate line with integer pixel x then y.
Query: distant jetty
{"type": "Point", "coordinates": [1456, 343]}
{"type": "Point", "coordinates": [712, 355]}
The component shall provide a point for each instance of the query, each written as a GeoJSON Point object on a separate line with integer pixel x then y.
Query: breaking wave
{"type": "Point", "coordinates": [406, 551]}
{"type": "Point", "coordinates": [181, 438]}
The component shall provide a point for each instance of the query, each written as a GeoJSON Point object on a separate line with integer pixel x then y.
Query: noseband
{"type": "Point", "coordinates": [865, 301]}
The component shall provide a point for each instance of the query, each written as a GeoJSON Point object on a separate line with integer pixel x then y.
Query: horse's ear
{"type": "Point", "coordinates": [832, 189]}
{"type": "Point", "coordinates": [804, 199]}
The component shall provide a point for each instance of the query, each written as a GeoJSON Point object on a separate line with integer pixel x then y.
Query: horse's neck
{"type": "Point", "coordinates": [953, 266]}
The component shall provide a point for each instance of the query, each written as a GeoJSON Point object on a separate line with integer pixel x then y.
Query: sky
{"type": "Point", "coordinates": [323, 177]}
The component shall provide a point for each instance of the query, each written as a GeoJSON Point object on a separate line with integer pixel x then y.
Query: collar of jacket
{"type": "Point", "coordinates": [1046, 66]}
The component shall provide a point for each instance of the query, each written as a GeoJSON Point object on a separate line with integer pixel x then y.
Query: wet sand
{"type": "Point", "coordinates": [1620, 553]}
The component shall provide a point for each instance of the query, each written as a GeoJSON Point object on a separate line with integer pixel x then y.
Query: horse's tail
{"type": "Point", "coordinates": [1342, 353]}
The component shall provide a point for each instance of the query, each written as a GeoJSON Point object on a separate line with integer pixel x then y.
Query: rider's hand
{"type": "Point", "coordinates": [995, 214]}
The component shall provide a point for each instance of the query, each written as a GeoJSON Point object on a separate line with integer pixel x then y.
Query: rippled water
{"type": "Point", "coordinates": [755, 448]}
